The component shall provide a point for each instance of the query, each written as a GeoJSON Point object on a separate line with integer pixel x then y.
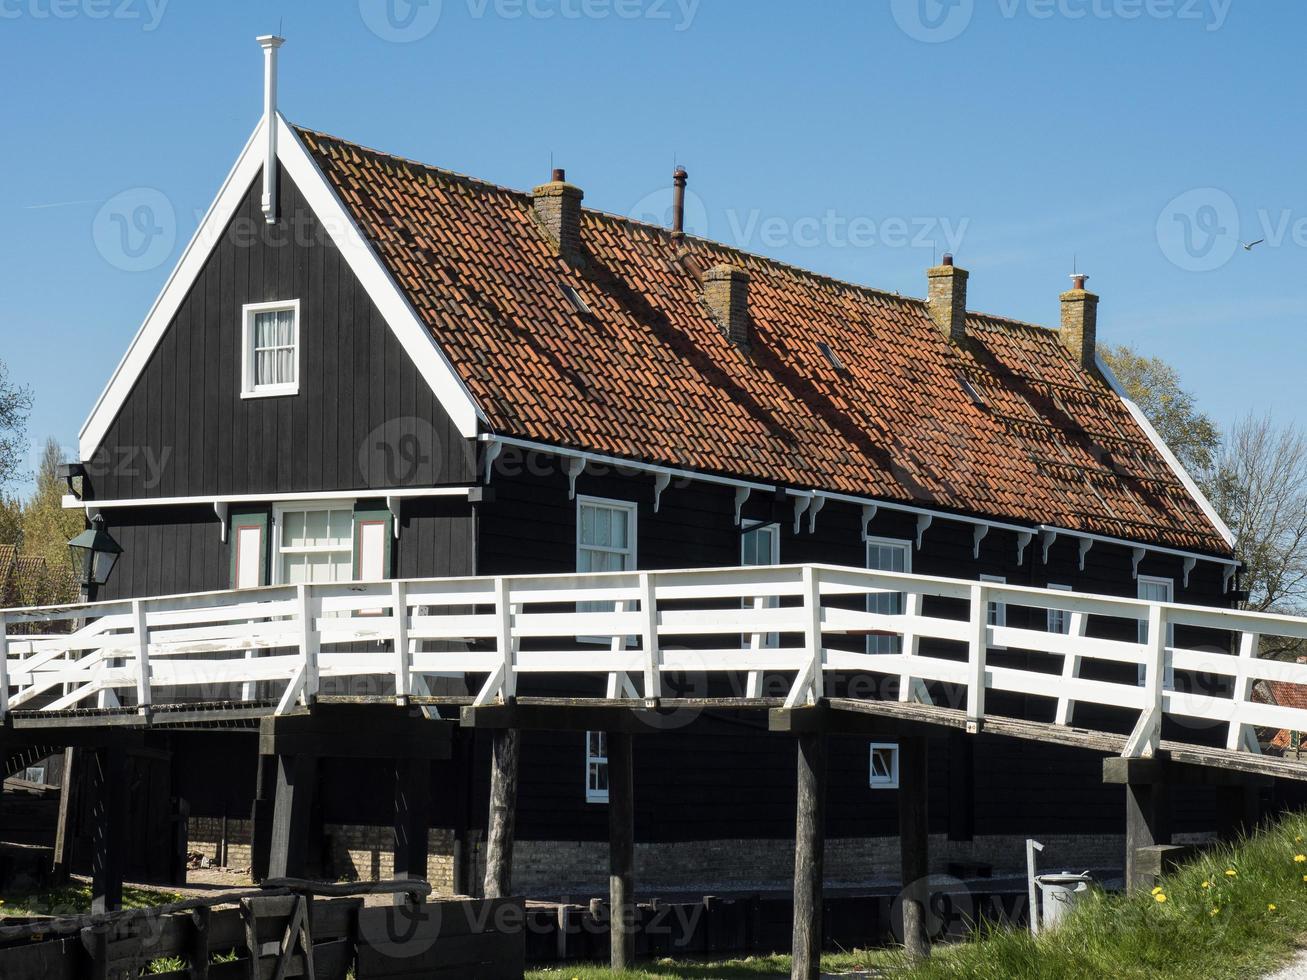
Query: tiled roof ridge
{"type": "Point", "coordinates": [666, 233]}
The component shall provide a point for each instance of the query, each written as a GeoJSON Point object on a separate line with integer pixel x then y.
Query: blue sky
{"type": "Point", "coordinates": [1142, 139]}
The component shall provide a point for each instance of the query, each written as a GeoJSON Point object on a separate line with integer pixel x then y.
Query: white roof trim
{"type": "Point", "coordinates": [381, 287]}
{"type": "Point", "coordinates": [1160, 444]}
{"type": "Point", "coordinates": [367, 493]}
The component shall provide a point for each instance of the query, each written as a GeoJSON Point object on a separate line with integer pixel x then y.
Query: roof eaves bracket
{"type": "Point", "coordinates": [1085, 545]}
{"type": "Point", "coordinates": [1136, 556]}
{"type": "Point", "coordinates": [661, 482]}
{"type": "Point", "coordinates": [868, 515]}
{"type": "Point", "coordinates": [1190, 564]}
{"type": "Point", "coordinates": [817, 504]}
{"type": "Point", "coordinates": [575, 466]}
{"type": "Point", "coordinates": [1046, 539]}
{"type": "Point", "coordinates": [1023, 542]}
{"type": "Point", "coordinates": [493, 449]}
{"type": "Point", "coordinates": [220, 508]}
{"type": "Point", "coordinates": [923, 524]}
{"type": "Point", "coordinates": [978, 535]}
{"type": "Point", "coordinates": [801, 505]}
{"type": "Point", "coordinates": [741, 495]}
{"type": "Point", "coordinates": [393, 504]}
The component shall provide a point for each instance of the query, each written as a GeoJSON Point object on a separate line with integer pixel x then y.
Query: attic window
{"type": "Point", "coordinates": [973, 392]}
{"type": "Point", "coordinates": [575, 299]}
{"type": "Point", "coordinates": [830, 356]}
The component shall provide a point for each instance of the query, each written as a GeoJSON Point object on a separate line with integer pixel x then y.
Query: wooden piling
{"type": "Point", "coordinates": [914, 844]}
{"type": "Point", "coordinates": [503, 813]}
{"type": "Point", "coordinates": [1147, 823]}
{"type": "Point", "coordinates": [288, 850]}
{"type": "Point", "coordinates": [108, 776]}
{"type": "Point", "coordinates": [412, 817]}
{"type": "Point", "coordinates": [621, 851]}
{"type": "Point", "coordinates": [809, 847]}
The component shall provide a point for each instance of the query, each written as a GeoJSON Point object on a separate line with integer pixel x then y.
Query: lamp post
{"type": "Point", "coordinates": [94, 554]}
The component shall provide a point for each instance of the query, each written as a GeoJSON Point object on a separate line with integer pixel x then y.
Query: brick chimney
{"type": "Point", "coordinates": [558, 209]}
{"type": "Point", "coordinates": [726, 291]}
{"type": "Point", "coordinates": [1080, 322]}
{"type": "Point", "coordinates": [947, 299]}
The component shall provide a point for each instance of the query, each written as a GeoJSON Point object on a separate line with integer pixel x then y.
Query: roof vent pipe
{"type": "Point", "coordinates": [270, 43]}
{"type": "Point", "coordinates": [679, 180]}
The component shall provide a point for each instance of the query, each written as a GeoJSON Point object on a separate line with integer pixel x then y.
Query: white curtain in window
{"type": "Point", "coordinates": [274, 348]}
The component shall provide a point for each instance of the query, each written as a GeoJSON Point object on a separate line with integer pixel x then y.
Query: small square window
{"type": "Point", "coordinates": [884, 765]}
{"type": "Point", "coordinates": [270, 348]}
{"type": "Point", "coordinates": [596, 767]}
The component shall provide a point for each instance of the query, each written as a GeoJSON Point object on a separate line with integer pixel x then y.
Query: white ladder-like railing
{"type": "Point", "coordinates": [806, 623]}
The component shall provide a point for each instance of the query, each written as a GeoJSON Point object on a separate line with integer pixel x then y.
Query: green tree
{"type": "Point", "coordinates": [46, 528]}
{"type": "Point", "coordinates": [11, 519]}
{"type": "Point", "coordinates": [1155, 387]}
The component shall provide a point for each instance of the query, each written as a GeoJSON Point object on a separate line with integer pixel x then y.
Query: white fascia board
{"type": "Point", "coordinates": [368, 493]}
{"type": "Point", "coordinates": [413, 335]}
{"type": "Point", "coordinates": [1160, 445]}
{"type": "Point", "coordinates": [170, 299]}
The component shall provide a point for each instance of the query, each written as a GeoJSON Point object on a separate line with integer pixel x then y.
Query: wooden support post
{"type": "Point", "coordinates": [63, 831]}
{"type": "Point", "coordinates": [412, 818]}
{"type": "Point", "coordinates": [961, 787]}
{"type": "Point", "coordinates": [108, 778]}
{"type": "Point", "coordinates": [265, 799]}
{"type": "Point", "coordinates": [288, 854]}
{"type": "Point", "coordinates": [621, 852]}
{"type": "Point", "coordinates": [503, 813]}
{"type": "Point", "coordinates": [914, 843]}
{"type": "Point", "coordinates": [809, 848]}
{"type": "Point", "coordinates": [1147, 823]}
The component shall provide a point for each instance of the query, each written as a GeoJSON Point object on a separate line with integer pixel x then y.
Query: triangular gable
{"type": "Point", "coordinates": [376, 279]}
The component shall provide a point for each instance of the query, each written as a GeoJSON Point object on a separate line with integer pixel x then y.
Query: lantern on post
{"type": "Point", "coordinates": [94, 554]}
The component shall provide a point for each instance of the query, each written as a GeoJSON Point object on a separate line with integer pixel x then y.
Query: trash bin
{"type": "Point", "coordinates": [1058, 892]}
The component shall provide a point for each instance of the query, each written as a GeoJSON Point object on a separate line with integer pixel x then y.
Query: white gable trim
{"type": "Point", "coordinates": [1160, 444]}
{"type": "Point", "coordinates": [412, 334]}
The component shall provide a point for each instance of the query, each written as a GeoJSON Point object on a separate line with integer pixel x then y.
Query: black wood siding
{"type": "Point", "coordinates": [185, 430]}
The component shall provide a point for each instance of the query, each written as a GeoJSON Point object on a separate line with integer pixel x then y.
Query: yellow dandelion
{"type": "Point", "coordinates": [1297, 840]}
{"type": "Point", "coordinates": [1231, 873]}
{"type": "Point", "coordinates": [1216, 910]}
{"type": "Point", "coordinates": [1208, 884]}
{"type": "Point", "coordinates": [1157, 890]}
{"type": "Point", "coordinates": [1270, 907]}
{"type": "Point", "coordinates": [1159, 897]}
{"type": "Point", "coordinates": [1299, 858]}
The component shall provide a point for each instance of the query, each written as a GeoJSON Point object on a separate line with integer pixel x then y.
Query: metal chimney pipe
{"type": "Point", "coordinates": [679, 180]}
{"type": "Point", "coordinates": [270, 43]}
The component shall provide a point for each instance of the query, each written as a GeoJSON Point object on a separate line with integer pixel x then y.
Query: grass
{"type": "Point", "coordinates": [75, 899]}
{"type": "Point", "coordinates": [1235, 913]}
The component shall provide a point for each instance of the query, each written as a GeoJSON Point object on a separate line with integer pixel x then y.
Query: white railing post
{"type": "Point", "coordinates": [504, 637]}
{"type": "Point", "coordinates": [399, 606]}
{"type": "Point", "coordinates": [4, 666]}
{"type": "Point", "coordinates": [1147, 735]}
{"type": "Point", "coordinates": [912, 688]}
{"type": "Point", "coordinates": [142, 635]}
{"type": "Point", "coordinates": [1238, 738]}
{"type": "Point", "coordinates": [977, 650]}
{"type": "Point", "coordinates": [809, 684]}
{"type": "Point", "coordinates": [653, 683]}
{"type": "Point", "coordinates": [753, 684]}
{"type": "Point", "coordinates": [309, 641]}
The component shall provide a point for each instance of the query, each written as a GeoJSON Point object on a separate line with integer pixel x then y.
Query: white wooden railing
{"type": "Point", "coordinates": [805, 623]}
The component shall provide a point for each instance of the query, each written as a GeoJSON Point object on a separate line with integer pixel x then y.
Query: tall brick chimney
{"type": "Point", "coordinates": [947, 299]}
{"type": "Point", "coordinates": [558, 209]}
{"type": "Point", "coordinates": [726, 291]}
{"type": "Point", "coordinates": [1080, 322]}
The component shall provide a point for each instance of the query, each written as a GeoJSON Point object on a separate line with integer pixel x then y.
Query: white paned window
{"type": "Point", "coordinates": [1059, 620]}
{"type": "Point", "coordinates": [596, 767]}
{"type": "Point", "coordinates": [762, 546]}
{"type": "Point", "coordinates": [1152, 589]}
{"type": "Point", "coordinates": [884, 765]}
{"type": "Point", "coordinates": [271, 349]}
{"type": "Point", "coordinates": [887, 555]}
{"type": "Point", "coordinates": [996, 614]}
{"type": "Point", "coordinates": [605, 542]}
{"type": "Point", "coordinates": [315, 545]}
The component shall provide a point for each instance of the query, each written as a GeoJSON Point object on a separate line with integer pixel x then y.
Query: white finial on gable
{"type": "Point", "coordinates": [270, 43]}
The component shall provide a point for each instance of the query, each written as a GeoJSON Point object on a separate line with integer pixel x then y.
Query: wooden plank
{"type": "Point", "coordinates": [288, 853]}
{"type": "Point", "coordinates": [809, 848]}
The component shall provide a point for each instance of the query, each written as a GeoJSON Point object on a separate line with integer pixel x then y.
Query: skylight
{"type": "Point", "coordinates": [830, 356]}
{"type": "Point", "coordinates": [574, 298]}
{"type": "Point", "coordinates": [973, 392]}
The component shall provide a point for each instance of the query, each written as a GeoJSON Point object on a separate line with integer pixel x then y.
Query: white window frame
{"type": "Point", "coordinates": [632, 509]}
{"type": "Point", "coordinates": [248, 313]}
{"type": "Point", "coordinates": [770, 640]}
{"type": "Point", "coordinates": [279, 523]}
{"type": "Point", "coordinates": [1142, 624]}
{"type": "Point", "coordinates": [594, 794]}
{"type": "Point", "coordinates": [906, 546]}
{"type": "Point", "coordinates": [883, 782]}
{"type": "Point", "coordinates": [996, 612]}
{"type": "Point", "coordinates": [1050, 622]}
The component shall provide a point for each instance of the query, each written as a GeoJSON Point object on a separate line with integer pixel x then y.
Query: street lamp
{"type": "Point", "coordinates": [94, 554]}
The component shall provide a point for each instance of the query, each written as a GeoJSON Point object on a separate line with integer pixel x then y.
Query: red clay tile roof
{"type": "Point", "coordinates": [1287, 696]}
{"type": "Point", "coordinates": [649, 376]}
